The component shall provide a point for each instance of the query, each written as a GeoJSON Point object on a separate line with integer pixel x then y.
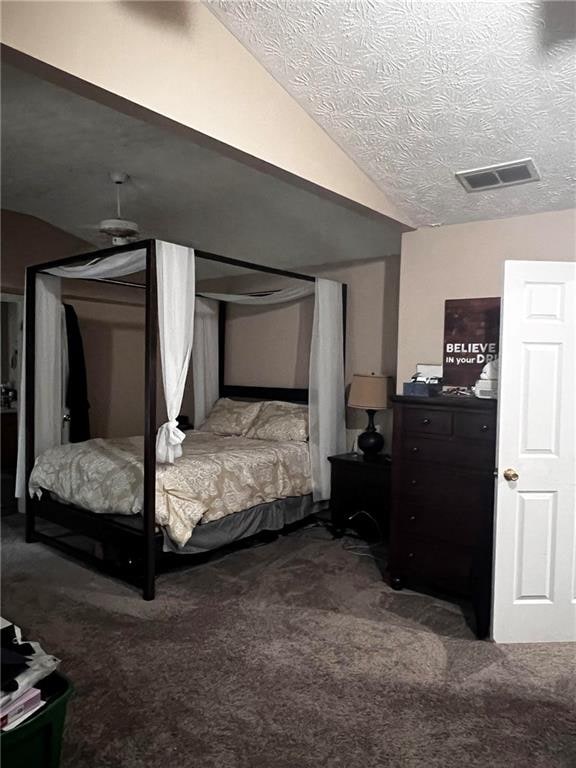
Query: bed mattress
{"type": "Point", "coordinates": [216, 476]}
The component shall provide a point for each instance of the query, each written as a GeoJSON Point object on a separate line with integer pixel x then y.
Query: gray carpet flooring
{"type": "Point", "coordinates": [287, 655]}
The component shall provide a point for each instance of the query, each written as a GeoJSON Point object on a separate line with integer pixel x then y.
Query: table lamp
{"type": "Point", "coordinates": [369, 392]}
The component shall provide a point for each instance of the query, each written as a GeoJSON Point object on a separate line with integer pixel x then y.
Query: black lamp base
{"type": "Point", "coordinates": [370, 442]}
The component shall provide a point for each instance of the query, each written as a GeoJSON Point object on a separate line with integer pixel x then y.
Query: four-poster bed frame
{"type": "Point", "coordinates": [141, 545]}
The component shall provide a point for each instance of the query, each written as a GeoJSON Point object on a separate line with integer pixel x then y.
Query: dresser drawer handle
{"type": "Point", "coordinates": [410, 555]}
{"type": "Point", "coordinates": [415, 449]}
{"type": "Point", "coordinates": [426, 421]}
{"type": "Point", "coordinates": [412, 518]}
{"type": "Point", "coordinates": [484, 428]}
{"type": "Point", "coordinates": [413, 482]}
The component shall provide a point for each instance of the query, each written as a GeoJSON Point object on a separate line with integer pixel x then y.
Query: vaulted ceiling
{"type": "Point", "coordinates": [415, 91]}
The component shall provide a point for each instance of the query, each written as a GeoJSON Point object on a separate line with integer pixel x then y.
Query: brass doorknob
{"type": "Point", "coordinates": [511, 475]}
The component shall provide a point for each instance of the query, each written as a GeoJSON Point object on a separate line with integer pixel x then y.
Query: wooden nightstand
{"type": "Point", "coordinates": [358, 484]}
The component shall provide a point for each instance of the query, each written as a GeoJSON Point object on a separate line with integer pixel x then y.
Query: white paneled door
{"type": "Point", "coordinates": [535, 530]}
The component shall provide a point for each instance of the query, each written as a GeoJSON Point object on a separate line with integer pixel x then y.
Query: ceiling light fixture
{"type": "Point", "coordinates": [119, 229]}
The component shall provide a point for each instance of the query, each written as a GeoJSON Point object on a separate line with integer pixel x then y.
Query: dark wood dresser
{"type": "Point", "coordinates": [443, 461]}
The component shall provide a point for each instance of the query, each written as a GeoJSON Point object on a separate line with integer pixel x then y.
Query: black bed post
{"type": "Point", "coordinates": [148, 588]}
{"type": "Point", "coordinates": [29, 398]}
{"type": "Point", "coordinates": [221, 346]}
{"type": "Point", "coordinates": [344, 321]}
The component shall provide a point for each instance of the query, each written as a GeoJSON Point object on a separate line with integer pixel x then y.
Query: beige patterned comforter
{"type": "Point", "coordinates": [215, 477]}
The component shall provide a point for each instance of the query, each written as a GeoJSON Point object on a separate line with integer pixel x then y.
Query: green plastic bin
{"type": "Point", "coordinates": [38, 741]}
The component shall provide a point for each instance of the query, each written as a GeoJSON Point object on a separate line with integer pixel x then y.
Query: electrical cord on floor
{"type": "Point", "coordinates": [364, 550]}
{"type": "Point", "coordinates": [372, 520]}
{"type": "Point", "coordinates": [357, 553]}
{"type": "Point", "coordinates": [358, 550]}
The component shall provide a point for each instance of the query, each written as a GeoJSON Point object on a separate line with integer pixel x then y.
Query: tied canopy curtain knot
{"type": "Point", "coordinates": [168, 441]}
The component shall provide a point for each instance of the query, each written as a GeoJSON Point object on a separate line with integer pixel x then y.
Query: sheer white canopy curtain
{"type": "Point", "coordinates": [48, 390]}
{"type": "Point", "coordinates": [326, 408]}
{"type": "Point", "coordinates": [205, 358]}
{"type": "Point", "coordinates": [188, 327]}
{"type": "Point", "coordinates": [176, 298]}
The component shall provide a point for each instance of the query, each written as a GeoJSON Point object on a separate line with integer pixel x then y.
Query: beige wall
{"type": "Point", "coordinates": [177, 59]}
{"type": "Point", "coordinates": [466, 261]}
{"type": "Point", "coordinates": [111, 322]}
{"type": "Point", "coordinates": [271, 346]}
{"type": "Point", "coordinates": [27, 240]}
{"type": "Point", "coordinates": [113, 336]}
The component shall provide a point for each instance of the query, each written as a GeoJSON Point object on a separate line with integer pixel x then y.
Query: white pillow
{"type": "Point", "coordinates": [280, 421]}
{"type": "Point", "coordinates": [230, 417]}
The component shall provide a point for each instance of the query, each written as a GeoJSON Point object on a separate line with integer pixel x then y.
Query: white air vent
{"type": "Point", "coordinates": [503, 175]}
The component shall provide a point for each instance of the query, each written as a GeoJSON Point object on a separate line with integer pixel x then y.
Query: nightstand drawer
{"type": "Point", "coordinates": [428, 421]}
{"type": "Point", "coordinates": [460, 453]}
{"type": "Point", "coordinates": [359, 476]}
{"type": "Point", "coordinates": [477, 426]}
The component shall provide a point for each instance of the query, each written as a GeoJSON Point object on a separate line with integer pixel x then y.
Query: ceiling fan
{"type": "Point", "coordinates": [121, 230]}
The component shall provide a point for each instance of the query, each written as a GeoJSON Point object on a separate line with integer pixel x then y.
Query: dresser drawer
{"type": "Point", "coordinates": [476, 426]}
{"type": "Point", "coordinates": [428, 421]}
{"type": "Point", "coordinates": [435, 562]}
{"type": "Point", "coordinates": [464, 524]}
{"type": "Point", "coordinates": [439, 484]}
{"type": "Point", "coordinates": [453, 452]}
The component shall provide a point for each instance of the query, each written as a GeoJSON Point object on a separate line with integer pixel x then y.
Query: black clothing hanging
{"type": "Point", "coordinates": [77, 389]}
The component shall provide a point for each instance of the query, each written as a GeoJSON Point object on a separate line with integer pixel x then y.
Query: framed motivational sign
{"type": "Point", "coordinates": [471, 337]}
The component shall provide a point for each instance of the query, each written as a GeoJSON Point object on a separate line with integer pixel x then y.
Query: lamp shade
{"type": "Point", "coordinates": [369, 391]}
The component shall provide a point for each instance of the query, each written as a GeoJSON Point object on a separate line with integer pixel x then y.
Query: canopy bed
{"type": "Point", "coordinates": [254, 463]}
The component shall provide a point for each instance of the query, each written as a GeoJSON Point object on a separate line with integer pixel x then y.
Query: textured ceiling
{"type": "Point", "coordinates": [415, 91]}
